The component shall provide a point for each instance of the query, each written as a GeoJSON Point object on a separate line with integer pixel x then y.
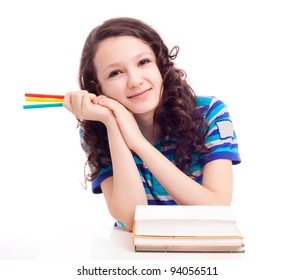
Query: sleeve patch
{"type": "Point", "coordinates": [225, 129]}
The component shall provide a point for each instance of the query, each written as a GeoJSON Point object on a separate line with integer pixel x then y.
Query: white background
{"type": "Point", "coordinates": [240, 51]}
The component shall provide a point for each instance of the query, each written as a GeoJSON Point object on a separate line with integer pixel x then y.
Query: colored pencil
{"type": "Point", "coordinates": [39, 99]}
{"type": "Point", "coordinates": [44, 95]}
{"type": "Point", "coordinates": [42, 105]}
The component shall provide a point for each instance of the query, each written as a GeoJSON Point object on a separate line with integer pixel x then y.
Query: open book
{"type": "Point", "coordinates": [186, 228]}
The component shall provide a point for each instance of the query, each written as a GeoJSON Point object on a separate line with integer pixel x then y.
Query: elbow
{"type": "Point", "coordinates": [125, 220]}
{"type": "Point", "coordinates": [129, 227]}
{"type": "Point", "coordinates": [223, 200]}
{"type": "Point", "coordinates": [126, 225]}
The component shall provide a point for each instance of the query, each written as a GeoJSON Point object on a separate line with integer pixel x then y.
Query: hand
{"type": "Point", "coordinates": [84, 106]}
{"type": "Point", "coordinates": [125, 120]}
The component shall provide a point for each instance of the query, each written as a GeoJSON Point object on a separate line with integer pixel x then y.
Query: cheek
{"type": "Point", "coordinates": [157, 77]}
{"type": "Point", "coordinates": [158, 81]}
{"type": "Point", "coordinates": [113, 91]}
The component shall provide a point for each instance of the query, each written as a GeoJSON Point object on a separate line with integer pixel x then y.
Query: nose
{"type": "Point", "coordinates": [134, 78]}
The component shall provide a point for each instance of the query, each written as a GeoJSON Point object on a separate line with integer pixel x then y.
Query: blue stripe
{"type": "Point", "coordinates": [96, 187]}
{"type": "Point", "coordinates": [162, 202]}
{"type": "Point", "coordinates": [235, 158]}
{"type": "Point", "coordinates": [214, 111]}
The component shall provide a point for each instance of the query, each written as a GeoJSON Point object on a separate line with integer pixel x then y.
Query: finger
{"type": "Point", "coordinates": [66, 102]}
{"type": "Point", "coordinates": [102, 97]}
{"type": "Point", "coordinates": [76, 103]}
{"type": "Point", "coordinates": [93, 98]}
{"type": "Point", "coordinates": [117, 108]}
{"type": "Point", "coordinates": [107, 102]}
{"type": "Point", "coordinates": [87, 100]}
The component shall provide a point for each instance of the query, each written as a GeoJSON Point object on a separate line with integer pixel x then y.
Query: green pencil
{"type": "Point", "coordinates": [42, 105]}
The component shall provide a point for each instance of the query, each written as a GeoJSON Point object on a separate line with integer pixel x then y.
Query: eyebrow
{"type": "Point", "coordinates": [116, 64]}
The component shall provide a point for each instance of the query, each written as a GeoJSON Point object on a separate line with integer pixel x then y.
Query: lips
{"type": "Point", "coordinates": [139, 94]}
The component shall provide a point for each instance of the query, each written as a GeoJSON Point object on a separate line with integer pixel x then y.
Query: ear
{"type": "Point", "coordinates": [96, 88]}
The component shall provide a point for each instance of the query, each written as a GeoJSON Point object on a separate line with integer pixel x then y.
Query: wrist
{"type": "Point", "coordinates": [110, 122]}
{"type": "Point", "coordinates": [141, 146]}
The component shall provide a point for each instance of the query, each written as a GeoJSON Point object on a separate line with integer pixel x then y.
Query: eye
{"type": "Point", "coordinates": [114, 73]}
{"type": "Point", "coordinates": [144, 61]}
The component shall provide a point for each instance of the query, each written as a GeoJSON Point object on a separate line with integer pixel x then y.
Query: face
{"type": "Point", "coordinates": [127, 72]}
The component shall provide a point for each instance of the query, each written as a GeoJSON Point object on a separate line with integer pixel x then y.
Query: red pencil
{"type": "Point", "coordinates": [44, 95]}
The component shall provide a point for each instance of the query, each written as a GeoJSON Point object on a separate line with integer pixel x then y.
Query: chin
{"type": "Point", "coordinates": [141, 109]}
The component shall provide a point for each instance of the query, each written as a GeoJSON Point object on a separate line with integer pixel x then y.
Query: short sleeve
{"type": "Point", "coordinates": [221, 138]}
{"type": "Point", "coordinates": [105, 172]}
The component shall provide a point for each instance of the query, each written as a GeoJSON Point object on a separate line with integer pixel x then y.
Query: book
{"type": "Point", "coordinates": [186, 228]}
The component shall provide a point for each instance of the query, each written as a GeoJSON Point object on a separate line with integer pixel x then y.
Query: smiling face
{"type": "Point", "coordinates": [127, 72]}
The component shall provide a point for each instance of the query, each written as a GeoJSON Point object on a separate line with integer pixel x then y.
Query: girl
{"type": "Point", "coordinates": [148, 138]}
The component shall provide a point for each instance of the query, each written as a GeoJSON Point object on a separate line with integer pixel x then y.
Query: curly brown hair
{"type": "Point", "coordinates": [176, 112]}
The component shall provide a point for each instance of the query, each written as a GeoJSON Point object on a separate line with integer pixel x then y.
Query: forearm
{"type": "Point", "coordinates": [124, 190]}
{"type": "Point", "coordinates": [183, 189]}
{"type": "Point", "coordinates": [127, 190]}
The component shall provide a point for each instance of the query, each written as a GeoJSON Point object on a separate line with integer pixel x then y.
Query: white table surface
{"type": "Point", "coordinates": [110, 243]}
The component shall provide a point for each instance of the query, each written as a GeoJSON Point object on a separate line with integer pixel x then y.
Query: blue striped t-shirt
{"type": "Point", "coordinates": [221, 141]}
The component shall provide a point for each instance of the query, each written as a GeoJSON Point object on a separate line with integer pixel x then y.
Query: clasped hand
{"type": "Point", "coordinates": [88, 106]}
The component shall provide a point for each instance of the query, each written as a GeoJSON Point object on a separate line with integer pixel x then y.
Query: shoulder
{"type": "Point", "coordinates": [221, 137]}
{"type": "Point", "coordinates": [208, 102]}
{"type": "Point", "coordinates": [209, 106]}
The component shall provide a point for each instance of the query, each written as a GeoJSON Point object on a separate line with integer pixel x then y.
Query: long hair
{"type": "Point", "coordinates": [176, 112]}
